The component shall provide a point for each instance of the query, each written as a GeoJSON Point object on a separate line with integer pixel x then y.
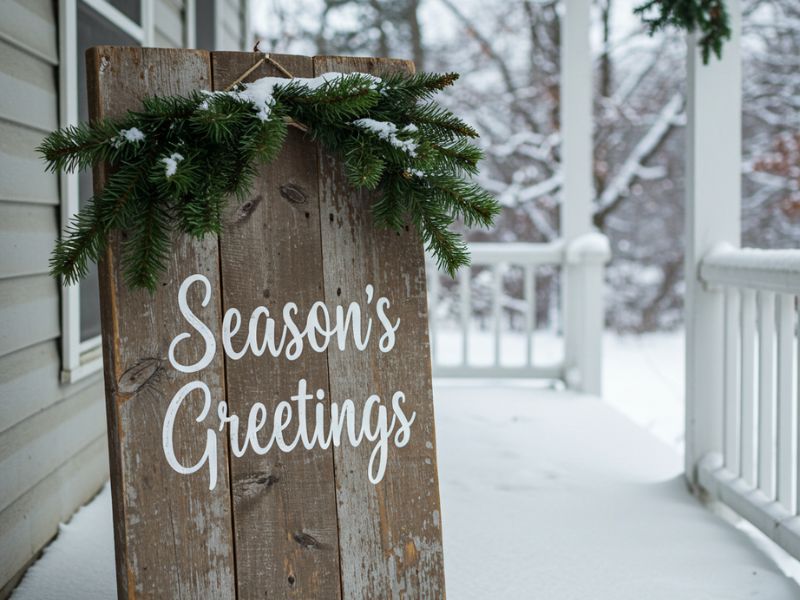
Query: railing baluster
{"type": "Point", "coordinates": [497, 309]}
{"type": "Point", "coordinates": [766, 393]}
{"type": "Point", "coordinates": [529, 294]}
{"type": "Point", "coordinates": [796, 333]}
{"type": "Point", "coordinates": [496, 259]}
{"type": "Point", "coordinates": [731, 397]}
{"type": "Point", "coordinates": [466, 309]}
{"type": "Point", "coordinates": [767, 493]}
{"type": "Point", "coordinates": [433, 304]}
{"type": "Point", "coordinates": [748, 436]}
{"type": "Point", "coordinates": [786, 405]}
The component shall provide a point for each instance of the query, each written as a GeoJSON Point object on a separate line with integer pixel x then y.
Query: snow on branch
{"type": "Point", "coordinates": [548, 186]}
{"type": "Point", "coordinates": [630, 169]}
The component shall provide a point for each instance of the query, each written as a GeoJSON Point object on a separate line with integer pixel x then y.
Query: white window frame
{"type": "Point", "coordinates": [81, 358]}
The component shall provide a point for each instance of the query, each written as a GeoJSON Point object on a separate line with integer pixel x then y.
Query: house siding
{"type": "Point", "coordinates": [53, 454]}
{"type": "Point", "coordinates": [169, 23]}
{"type": "Point", "coordinates": [232, 21]}
{"type": "Point", "coordinates": [52, 436]}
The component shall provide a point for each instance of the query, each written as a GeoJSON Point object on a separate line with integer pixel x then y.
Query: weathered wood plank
{"type": "Point", "coordinates": [304, 523]}
{"type": "Point", "coordinates": [270, 254]}
{"type": "Point", "coordinates": [173, 536]}
{"type": "Point", "coordinates": [390, 532]}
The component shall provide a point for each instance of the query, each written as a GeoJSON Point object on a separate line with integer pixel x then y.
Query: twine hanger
{"type": "Point", "coordinates": [266, 58]}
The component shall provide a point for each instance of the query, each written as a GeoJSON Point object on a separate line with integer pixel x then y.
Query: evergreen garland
{"type": "Point", "coordinates": [174, 163]}
{"type": "Point", "coordinates": [708, 16]}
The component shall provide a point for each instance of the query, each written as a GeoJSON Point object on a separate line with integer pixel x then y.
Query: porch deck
{"type": "Point", "coordinates": [546, 495]}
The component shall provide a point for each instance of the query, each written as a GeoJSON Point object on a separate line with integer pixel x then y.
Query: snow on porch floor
{"type": "Point", "coordinates": [545, 495]}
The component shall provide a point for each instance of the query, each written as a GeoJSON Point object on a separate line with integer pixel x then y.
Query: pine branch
{"type": "Point", "coordinates": [86, 236]}
{"type": "Point", "coordinates": [146, 250]}
{"type": "Point", "coordinates": [83, 242]}
{"type": "Point", "coordinates": [458, 157]}
{"type": "Point", "coordinates": [440, 123]}
{"type": "Point", "coordinates": [173, 165]}
{"type": "Point", "coordinates": [389, 209]}
{"type": "Point", "coordinates": [710, 17]}
{"type": "Point", "coordinates": [465, 200]}
{"type": "Point", "coordinates": [77, 148]}
{"type": "Point", "coordinates": [363, 166]}
{"type": "Point", "coordinates": [446, 246]}
{"type": "Point", "coordinates": [399, 87]}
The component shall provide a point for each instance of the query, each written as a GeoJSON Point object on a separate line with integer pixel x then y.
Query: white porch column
{"type": "Point", "coordinates": [576, 120]}
{"type": "Point", "coordinates": [582, 301]}
{"type": "Point", "coordinates": [713, 211]}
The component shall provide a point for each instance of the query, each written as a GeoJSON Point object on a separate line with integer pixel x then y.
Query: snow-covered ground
{"type": "Point", "coordinates": [79, 563]}
{"type": "Point", "coordinates": [642, 374]}
{"type": "Point", "coordinates": [545, 495]}
{"type": "Point", "coordinates": [643, 379]}
{"type": "Point", "coordinates": [556, 496]}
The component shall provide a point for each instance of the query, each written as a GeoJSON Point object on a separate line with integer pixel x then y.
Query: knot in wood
{"type": "Point", "coordinates": [293, 194]}
{"type": "Point", "coordinates": [248, 208]}
{"type": "Point", "coordinates": [306, 540]}
{"type": "Point", "coordinates": [139, 375]}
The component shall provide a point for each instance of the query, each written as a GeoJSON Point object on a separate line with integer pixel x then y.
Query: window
{"type": "Point", "coordinates": [82, 24]}
{"type": "Point", "coordinates": [93, 30]}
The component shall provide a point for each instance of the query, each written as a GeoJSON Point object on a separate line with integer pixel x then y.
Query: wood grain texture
{"type": "Point", "coordinates": [270, 254]}
{"type": "Point", "coordinates": [173, 536]}
{"type": "Point", "coordinates": [307, 524]}
{"type": "Point", "coordinates": [389, 533]}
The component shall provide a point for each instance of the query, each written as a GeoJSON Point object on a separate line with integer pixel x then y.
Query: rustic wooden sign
{"type": "Point", "coordinates": [270, 414]}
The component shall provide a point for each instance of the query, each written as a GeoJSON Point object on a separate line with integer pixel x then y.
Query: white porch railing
{"type": "Point", "coordinates": [579, 364]}
{"type": "Point", "coordinates": [579, 254]}
{"type": "Point", "coordinates": [755, 469]}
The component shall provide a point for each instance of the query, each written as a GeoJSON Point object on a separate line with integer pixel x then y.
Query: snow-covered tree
{"type": "Point", "coordinates": [508, 54]}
